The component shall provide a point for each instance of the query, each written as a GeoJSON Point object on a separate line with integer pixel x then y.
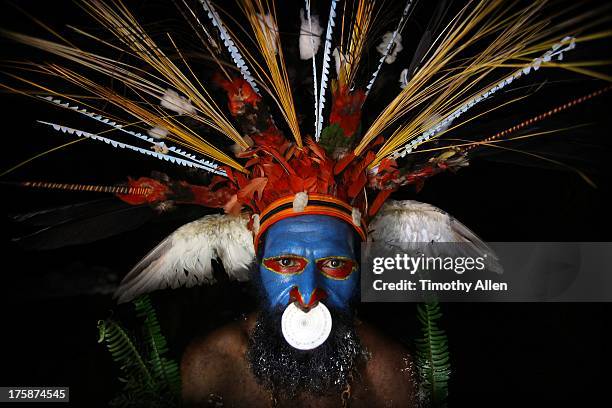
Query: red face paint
{"type": "Point", "coordinates": [336, 267]}
{"type": "Point", "coordinates": [317, 295]}
{"type": "Point", "coordinates": [285, 264]}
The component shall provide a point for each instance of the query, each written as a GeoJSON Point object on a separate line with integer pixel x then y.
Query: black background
{"type": "Point", "coordinates": [502, 354]}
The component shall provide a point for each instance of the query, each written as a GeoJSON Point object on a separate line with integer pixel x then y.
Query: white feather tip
{"type": "Point", "coordinates": [300, 201]}
{"type": "Point", "coordinates": [173, 101]}
{"type": "Point", "coordinates": [310, 36]}
{"type": "Point", "coordinates": [356, 214]}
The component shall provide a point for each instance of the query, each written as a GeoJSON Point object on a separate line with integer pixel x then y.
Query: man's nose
{"type": "Point", "coordinates": [306, 291]}
{"type": "Point", "coordinates": [306, 299]}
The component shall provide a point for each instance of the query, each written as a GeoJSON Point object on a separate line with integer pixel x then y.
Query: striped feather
{"type": "Point", "coordinates": [229, 44]}
{"type": "Point", "coordinates": [325, 69]}
{"type": "Point", "coordinates": [315, 79]}
{"type": "Point", "coordinates": [114, 143]}
{"type": "Point", "coordinates": [400, 25]}
{"type": "Point", "coordinates": [121, 128]}
{"type": "Point", "coordinates": [557, 50]}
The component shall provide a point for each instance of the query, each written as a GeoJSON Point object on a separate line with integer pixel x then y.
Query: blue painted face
{"type": "Point", "coordinates": [309, 258]}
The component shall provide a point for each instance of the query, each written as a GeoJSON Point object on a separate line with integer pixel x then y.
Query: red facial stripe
{"type": "Point", "coordinates": [336, 268]}
{"type": "Point", "coordinates": [286, 265]}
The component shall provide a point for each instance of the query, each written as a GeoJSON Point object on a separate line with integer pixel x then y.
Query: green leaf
{"type": "Point", "coordinates": [124, 353]}
{"type": "Point", "coordinates": [432, 356]}
{"type": "Point", "coordinates": [332, 137]}
{"type": "Point", "coordinates": [151, 379]}
{"type": "Point", "coordinates": [163, 368]}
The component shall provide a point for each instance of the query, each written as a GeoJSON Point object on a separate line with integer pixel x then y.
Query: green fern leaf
{"type": "Point", "coordinates": [124, 353]}
{"type": "Point", "coordinates": [164, 370]}
{"type": "Point", "coordinates": [432, 356]}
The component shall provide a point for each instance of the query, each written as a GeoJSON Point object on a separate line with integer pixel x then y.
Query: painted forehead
{"type": "Point", "coordinates": [310, 231]}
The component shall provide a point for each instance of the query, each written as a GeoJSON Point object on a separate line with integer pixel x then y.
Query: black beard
{"type": "Point", "coordinates": [287, 371]}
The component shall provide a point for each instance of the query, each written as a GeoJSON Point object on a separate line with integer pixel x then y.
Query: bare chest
{"type": "Point", "coordinates": [248, 393]}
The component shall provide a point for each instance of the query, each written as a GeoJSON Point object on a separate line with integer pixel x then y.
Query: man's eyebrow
{"type": "Point", "coordinates": [337, 256]}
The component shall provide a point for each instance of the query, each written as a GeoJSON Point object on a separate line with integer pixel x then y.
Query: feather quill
{"type": "Point", "coordinates": [556, 52]}
{"type": "Point", "coordinates": [273, 70]}
{"type": "Point", "coordinates": [121, 128]}
{"type": "Point", "coordinates": [82, 223]}
{"type": "Point", "coordinates": [325, 70]}
{"type": "Point", "coordinates": [383, 57]}
{"type": "Point", "coordinates": [229, 44]}
{"type": "Point", "coordinates": [114, 143]}
{"type": "Point", "coordinates": [315, 80]}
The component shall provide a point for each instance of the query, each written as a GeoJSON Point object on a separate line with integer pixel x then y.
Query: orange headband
{"type": "Point", "coordinates": [318, 204]}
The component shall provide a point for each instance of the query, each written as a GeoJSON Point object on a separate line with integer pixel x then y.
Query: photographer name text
{"type": "Point", "coordinates": [427, 285]}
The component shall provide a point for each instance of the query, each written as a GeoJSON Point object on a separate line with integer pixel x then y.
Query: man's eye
{"type": "Point", "coordinates": [285, 264]}
{"type": "Point", "coordinates": [336, 268]}
{"type": "Point", "coordinates": [334, 263]}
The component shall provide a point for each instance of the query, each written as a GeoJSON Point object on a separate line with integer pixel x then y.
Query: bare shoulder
{"type": "Point", "coordinates": [390, 369]}
{"type": "Point", "coordinates": [215, 364]}
{"type": "Point", "coordinates": [214, 368]}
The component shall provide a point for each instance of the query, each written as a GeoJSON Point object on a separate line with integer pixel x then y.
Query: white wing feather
{"type": "Point", "coordinates": [415, 222]}
{"type": "Point", "coordinates": [185, 257]}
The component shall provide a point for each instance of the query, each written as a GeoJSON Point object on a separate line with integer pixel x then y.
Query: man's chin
{"type": "Point", "coordinates": [286, 370]}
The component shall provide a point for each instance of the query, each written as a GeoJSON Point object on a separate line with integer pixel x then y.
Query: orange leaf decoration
{"type": "Point", "coordinates": [256, 185]}
{"type": "Point", "coordinates": [233, 206]}
{"type": "Point", "coordinates": [381, 197]}
{"type": "Point", "coordinates": [345, 161]}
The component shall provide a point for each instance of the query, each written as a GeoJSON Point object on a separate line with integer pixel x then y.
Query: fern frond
{"type": "Point", "coordinates": [151, 379]}
{"type": "Point", "coordinates": [164, 370]}
{"type": "Point", "coordinates": [125, 353]}
{"type": "Point", "coordinates": [432, 354]}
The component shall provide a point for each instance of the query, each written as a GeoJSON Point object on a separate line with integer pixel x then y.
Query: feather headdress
{"type": "Point", "coordinates": [242, 124]}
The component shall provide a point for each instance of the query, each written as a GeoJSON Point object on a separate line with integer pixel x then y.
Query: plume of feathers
{"type": "Point", "coordinates": [185, 257]}
{"type": "Point", "coordinates": [483, 49]}
{"type": "Point", "coordinates": [420, 223]}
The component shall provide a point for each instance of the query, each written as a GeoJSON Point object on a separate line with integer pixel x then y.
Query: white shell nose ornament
{"type": "Point", "coordinates": [306, 330]}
